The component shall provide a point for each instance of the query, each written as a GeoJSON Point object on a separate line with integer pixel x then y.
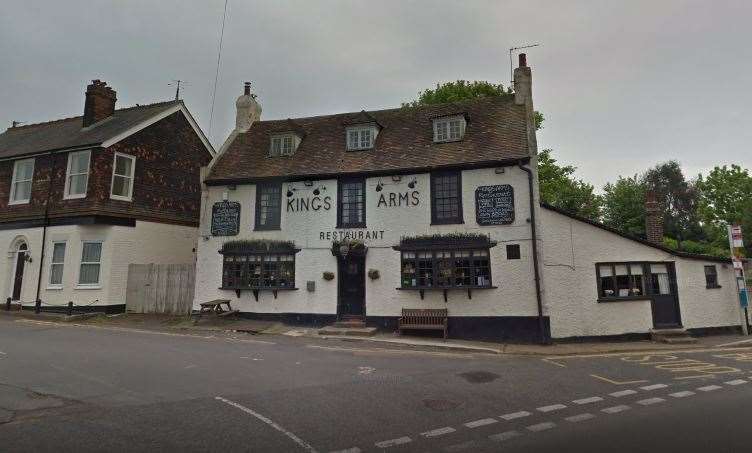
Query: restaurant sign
{"type": "Point", "coordinates": [494, 205]}
{"type": "Point", "coordinates": [225, 219]}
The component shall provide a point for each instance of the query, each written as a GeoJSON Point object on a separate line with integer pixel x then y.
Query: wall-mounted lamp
{"type": "Point", "coordinates": [379, 186]}
{"type": "Point", "coordinates": [396, 178]}
{"type": "Point", "coordinates": [412, 183]}
{"type": "Point", "coordinates": [291, 191]}
{"type": "Point", "coordinates": [308, 183]}
{"type": "Point", "coordinates": [316, 191]}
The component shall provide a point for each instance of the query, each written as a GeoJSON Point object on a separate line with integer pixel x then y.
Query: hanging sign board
{"type": "Point", "coordinates": [736, 236]}
{"type": "Point", "coordinates": [225, 219]}
{"type": "Point", "coordinates": [494, 205]}
{"type": "Point", "coordinates": [737, 263]}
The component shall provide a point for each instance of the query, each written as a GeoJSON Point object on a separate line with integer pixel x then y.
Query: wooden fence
{"type": "Point", "coordinates": [160, 288]}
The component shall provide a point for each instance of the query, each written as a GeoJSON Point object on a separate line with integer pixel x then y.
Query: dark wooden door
{"type": "Point", "coordinates": [352, 286]}
{"type": "Point", "coordinates": [18, 278]}
{"type": "Point", "coordinates": [665, 301]}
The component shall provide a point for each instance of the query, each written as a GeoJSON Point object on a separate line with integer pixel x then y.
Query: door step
{"type": "Point", "coordinates": [672, 336]}
{"type": "Point", "coordinates": [350, 322]}
{"type": "Point", "coordinates": [348, 331]}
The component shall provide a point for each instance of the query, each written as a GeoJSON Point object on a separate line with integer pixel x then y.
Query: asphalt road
{"type": "Point", "coordinates": [68, 388]}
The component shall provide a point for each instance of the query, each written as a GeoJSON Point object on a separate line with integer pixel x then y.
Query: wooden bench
{"type": "Point", "coordinates": [424, 319]}
{"type": "Point", "coordinates": [215, 307]}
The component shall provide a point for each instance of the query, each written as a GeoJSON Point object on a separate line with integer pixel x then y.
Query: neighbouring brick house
{"type": "Point", "coordinates": [82, 198]}
{"type": "Point", "coordinates": [357, 216]}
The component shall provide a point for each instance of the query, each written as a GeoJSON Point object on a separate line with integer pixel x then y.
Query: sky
{"type": "Point", "coordinates": [623, 85]}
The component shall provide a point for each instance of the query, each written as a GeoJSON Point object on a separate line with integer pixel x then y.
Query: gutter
{"type": "Point", "coordinates": [541, 323]}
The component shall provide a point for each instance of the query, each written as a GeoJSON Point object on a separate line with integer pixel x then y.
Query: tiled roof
{"type": "Point", "coordinates": [70, 133]}
{"type": "Point", "coordinates": [496, 131]}
{"type": "Point", "coordinates": [642, 241]}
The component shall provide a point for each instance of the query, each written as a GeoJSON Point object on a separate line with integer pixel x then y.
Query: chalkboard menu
{"type": "Point", "coordinates": [225, 219]}
{"type": "Point", "coordinates": [494, 205]}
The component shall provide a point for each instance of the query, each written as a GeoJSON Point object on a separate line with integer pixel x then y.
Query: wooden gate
{"type": "Point", "coordinates": [160, 288]}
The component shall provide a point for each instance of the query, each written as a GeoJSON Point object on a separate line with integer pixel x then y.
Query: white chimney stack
{"type": "Point", "coordinates": [248, 110]}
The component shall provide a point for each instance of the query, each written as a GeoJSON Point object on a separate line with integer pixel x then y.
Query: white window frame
{"type": "Point", "coordinates": [361, 143]}
{"type": "Point", "coordinates": [131, 177]}
{"type": "Point", "coordinates": [447, 122]}
{"type": "Point", "coordinates": [50, 284]}
{"type": "Point", "coordinates": [15, 180]}
{"type": "Point", "coordinates": [67, 195]}
{"type": "Point", "coordinates": [98, 284]}
{"type": "Point", "coordinates": [282, 140]}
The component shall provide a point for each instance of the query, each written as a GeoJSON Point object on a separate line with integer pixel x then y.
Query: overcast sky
{"type": "Point", "coordinates": [623, 85]}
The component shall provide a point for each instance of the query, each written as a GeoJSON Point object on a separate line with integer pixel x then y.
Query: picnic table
{"type": "Point", "coordinates": [215, 307]}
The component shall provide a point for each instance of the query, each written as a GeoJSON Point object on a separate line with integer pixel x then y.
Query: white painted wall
{"type": "Point", "coordinates": [147, 242]}
{"type": "Point", "coordinates": [515, 295]}
{"type": "Point", "coordinates": [571, 248]}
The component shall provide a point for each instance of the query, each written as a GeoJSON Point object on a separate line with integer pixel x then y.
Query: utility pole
{"type": "Point", "coordinates": [735, 242]}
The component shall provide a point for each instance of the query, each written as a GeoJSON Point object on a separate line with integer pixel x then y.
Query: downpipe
{"type": "Point", "coordinates": [542, 335]}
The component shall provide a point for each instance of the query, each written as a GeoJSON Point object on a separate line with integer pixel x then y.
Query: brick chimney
{"type": "Point", "coordinates": [653, 219]}
{"type": "Point", "coordinates": [523, 95]}
{"type": "Point", "coordinates": [100, 102]}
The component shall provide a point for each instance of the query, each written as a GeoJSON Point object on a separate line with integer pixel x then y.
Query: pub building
{"type": "Point", "coordinates": [361, 215]}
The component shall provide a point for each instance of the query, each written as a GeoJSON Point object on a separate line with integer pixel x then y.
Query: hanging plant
{"type": "Point", "coordinates": [447, 240]}
{"type": "Point", "coordinates": [328, 275]}
{"type": "Point", "coordinates": [373, 274]}
{"type": "Point", "coordinates": [349, 247]}
{"type": "Point", "coordinates": [258, 246]}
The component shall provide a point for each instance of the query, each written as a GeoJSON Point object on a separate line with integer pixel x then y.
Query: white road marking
{"type": "Point", "coordinates": [592, 399]}
{"type": "Point", "coordinates": [580, 418]}
{"type": "Point", "coordinates": [615, 409]}
{"type": "Point", "coordinates": [188, 367]}
{"type": "Point", "coordinates": [501, 437]}
{"type": "Point", "coordinates": [2, 353]}
{"type": "Point", "coordinates": [709, 388]}
{"type": "Point", "coordinates": [515, 415]}
{"type": "Point", "coordinates": [460, 447]}
{"type": "Point", "coordinates": [736, 382]}
{"type": "Point", "coordinates": [393, 442]}
{"type": "Point", "coordinates": [683, 394]}
{"type": "Point", "coordinates": [650, 401]}
{"type": "Point", "coordinates": [481, 422]}
{"type": "Point", "coordinates": [349, 450]}
{"type": "Point", "coordinates": [654, 387]}
{"type": "Point", "coordinates": [541, 427]}
{"type": "Point", "coordinates": [438, 432]}
{"type": "Point", "coordinates": [621, 393]}
{"type": "Point", "coordinates": [303, 444]}
{"type": "Point", "coordinates": [733, 343]}
{"type": "Point", "coordinates": [366, 369]}
{"type": "Point", "coordinates": [551, 408]}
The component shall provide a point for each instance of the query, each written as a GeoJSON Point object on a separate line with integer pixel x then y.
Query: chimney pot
{"type": "Point", "coordinates": [523, 60]}
{"type": "Point", "coordinates": [247, 88]}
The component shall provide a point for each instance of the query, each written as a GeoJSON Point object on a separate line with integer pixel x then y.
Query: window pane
{"type": "Point", "coordinates": [80, 162]}
{"type": "Point", "coordinates": [22, 191]}
{"type": "Point", "coordinates": [123, 166]}
{"type": "Point", "coordinates": [605, 270]}
{"type": "Point", "coordinates": [352, 203]}
{"type": "Point", "coordinates": [425, 269]}
{"type": "Point", "coordinates": [58, 252]}
{"type": "Point", "coordinates": [89, 274]}
{"type": "Point", "coordinates": [56, 274]}
{"type": "Point", "coordinates": [121, 186]}
{"type": "Point", "coordinates": [77, 184]}
{"type": "Point", "coordinates": [92, 252]}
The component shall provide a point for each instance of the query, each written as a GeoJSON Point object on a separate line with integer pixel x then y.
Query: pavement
{"type": "Point", "coordinates": [170, 323]}
{"type": "Point", "coordinates": [86, 387]}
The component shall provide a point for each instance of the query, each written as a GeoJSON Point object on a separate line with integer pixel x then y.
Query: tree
{"type": "Point", "coordinates": [462, 90]}
{"type": "Point", "coordinates": [560, 189]}
{"type": "Point", "coordinates": [624, 205]}
{"type": "Point", "coordinates": [679, 200]}
{"type": "Point", "coordinates": [726, 198]}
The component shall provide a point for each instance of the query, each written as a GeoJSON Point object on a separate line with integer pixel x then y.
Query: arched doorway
{"type": "Point", "coordinates": [18, 270]}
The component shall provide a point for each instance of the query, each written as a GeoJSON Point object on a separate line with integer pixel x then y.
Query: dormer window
{"type": "Point", "coordinates": [449, 129]}
{"type": "Point", "coordinates": [283, 145]}
{"type": "Point", "coordinates": [361, 137]}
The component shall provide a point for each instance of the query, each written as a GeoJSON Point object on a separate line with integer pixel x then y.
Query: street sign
{"type": "Point", "coordinates": [743, 298]}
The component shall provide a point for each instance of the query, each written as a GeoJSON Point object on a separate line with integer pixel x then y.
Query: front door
{"type": "Point", "coordinates": [352, 286]}
{"type": "Point", "coordinates": [663, 291]}
{"type": "Point", "coordinates": [18, 277]}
